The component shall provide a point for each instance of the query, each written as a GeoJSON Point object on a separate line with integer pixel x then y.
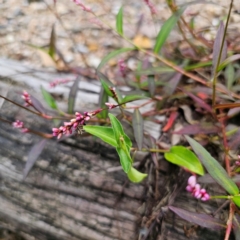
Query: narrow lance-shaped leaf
{"type": "Point", "coordinates": [49, 99]}
{"type": "Point", "coordinates": [37, 105]}
{"type": "Point", "coordinates": [119, 21]}
{"type": "Point", "coordinates": [172, 84]}
{"type": "Point", "coordinates": [125, 159]}
{"type": "Point", "coordinates": [228, 61]}
{"type": "Point", "coordinates": [131, 98]}
{"type": "Point", "coordinates": [151, 84]}
{"type": "Point", "coordinates": [103, 98]}
{"type": "Point", "coordinates": [229, 76]}
{"type": "Point", "coordinates": [106, 85]}
{"type": "Point", "coordinates": [138, 127]}
{"type": "Point", "coordinates": [213, 167]}
{"type": "Point", "coordinates": [72, 95]}
{"type": "Point", "coordinates": [166, 29]}
{"type": "Point", "coordinates": [200, 219]}
{"type": "Point", "coordinates": [183, 157]}
{"type": "Point", "coordinates": [104, 133]}
{"type": "Point", "coordinates": [118, 131]}
{"type": "Point", "coordinates": [52, 43]}
{"type": "Point", "coordinates": [33, 156]}
{"type": "Point", "coordinates": [112, 55]}
{"type": "Point", "coordinates": [217, 48]}
{"type": "Point", "coordinates": [199, 101]}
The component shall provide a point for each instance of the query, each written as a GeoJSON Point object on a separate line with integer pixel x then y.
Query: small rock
{"type": "Point", "coordinates": [93, 61]}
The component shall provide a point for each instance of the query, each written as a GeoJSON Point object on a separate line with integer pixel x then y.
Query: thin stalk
{"type": "Point", "coordinates": [219, 56]}
{"type": "Point", "coordinates": [229, 221]}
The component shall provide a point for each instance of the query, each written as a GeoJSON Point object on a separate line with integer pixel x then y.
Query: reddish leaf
{"type": "Point", "coordinates": [202, 95]}
{"type": "Point", "coordinates": [72, 95]}
{"type": "Point", "coordinates": [170, 122]}
{"type": "Point", "coordinates": [234, 111]}
{"type": "Point", "coordinates": [217, 47]}
{"type": "Point", "coordinates": [37, 105]}
{"type": "Point", "coordinates": [172, 84]}
{"type": "Point", "coordinates": [197, 129]}
{"type": "Point", "coordinates": [199, 101]}
{"type": "Point", "coordinates": [200, 219]}
{"type": "Point", "coordinates": [32, 156]}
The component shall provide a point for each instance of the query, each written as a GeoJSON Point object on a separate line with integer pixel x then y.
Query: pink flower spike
{"type": "Point", "coordinates": [18, 124]}
{"type": "Point", "coordinates": [84, 8]}
{"type": "Point", "coordinates": [189, 188]}
{"type": "Point", "coordinates": [192, 181]}
{"type": "Point", "coordinates": [25, 130]}
{"type": "Point", "coordinates": [206, 197]}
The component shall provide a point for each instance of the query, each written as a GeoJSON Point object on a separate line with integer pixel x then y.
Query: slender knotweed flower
{"type": "Point", "coordinates": [75, 124]}
{"type": "Point", "coordinates": [196, 190]}
{"type": "Point", "coordinates": [20, 125]}
{"type": "Point", "coordinates": [58, 82]}
{"type": "Point", "coordinates": [84, 8]}
{"type": "Point", "coordinates": [27, 99]}
{"type": "Point", "coordinates": [122, 67]}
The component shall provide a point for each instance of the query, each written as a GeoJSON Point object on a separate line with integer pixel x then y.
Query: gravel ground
{"type": "Point", "coordinates": [79, 36]}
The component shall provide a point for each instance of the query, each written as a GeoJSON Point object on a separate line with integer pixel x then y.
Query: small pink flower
{"type": "Point", "coordinates": [196, 190]}
{"type": "Point", "coordinates": [74, 124]}
{"type": "Point", "coordinates": [58, 82]}
{"type": "Point", "coordinates": [122, 67]}
{"type": "Point", "coordinates": [20, 125]}
{"type": "Point", "coordinates": [192, 181]}
{"type": "Point", "coordinates": [27, 99]}
{"type": "Point", "coordinates": [110, 105]}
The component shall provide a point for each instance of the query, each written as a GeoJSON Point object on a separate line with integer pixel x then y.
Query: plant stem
{"type": "Point", "coordinates": [219, 56]}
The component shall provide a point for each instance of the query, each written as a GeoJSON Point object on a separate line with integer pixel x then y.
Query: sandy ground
{"type": "Point", "coordinates": [26, 26]}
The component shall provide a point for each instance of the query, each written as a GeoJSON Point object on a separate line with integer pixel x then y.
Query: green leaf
{"type": "Point", "coordinates": [52, 44]}
{"type": "Point", "coordinates": [184, 157]}
{"type": "Point", "coordinates": [104, 133]}
{"type": "Point", "coordinates": [49, 99]}
{"type": "Point", "coordinates": [151, 84]}
{"type": "Point", "coordinates": [227, 61]}
{"type": "Point", "coordinates": [218, 55]}
{"type": "Point", "coordinates": [166, 29]}
{"type": "Point", "coordinates": [107, 84]}
{"type": "Point", "coordinates": [125, 159]}
{"type": "Point", "coordinates": [131, 98]}
{"type": "Point", "coordinates": [236, 200]}
{"type": "Point", "coordinates": [213, 167]}
{"type": "Point", "coordinates": [119, 134]}
{"type": "Point", "coordinates": [229, 76]}
{"type": "Point", "coordinates": [137, 122]}
{"type": "Point", "coordinates": [135, 176]}
{"type": "Point", "coordinates": [112, 55]}
{"type": "Point", "coordinates": [119, 21]}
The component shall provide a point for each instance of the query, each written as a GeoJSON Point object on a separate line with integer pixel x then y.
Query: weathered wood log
{"type": "Point", "coordinates": [72, 191]}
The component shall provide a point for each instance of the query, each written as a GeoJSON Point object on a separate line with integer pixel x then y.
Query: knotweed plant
{"type": "Point", "coordinates": [163, 83]}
